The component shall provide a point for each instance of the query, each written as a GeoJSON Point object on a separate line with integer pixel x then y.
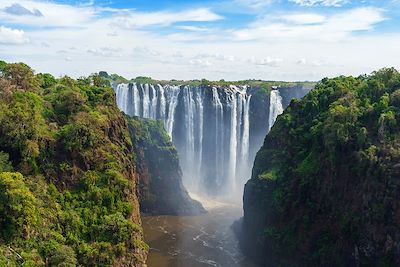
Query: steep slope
{"type": "Point", "coordinates": [67, 176]}
{"type": "Point", "coordinates": [325, 185]}
{"type": "Point", "coordinates": [160, 185]}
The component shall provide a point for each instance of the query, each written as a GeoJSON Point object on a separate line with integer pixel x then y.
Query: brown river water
{"type": "Point", "coordinates": [195, 241]}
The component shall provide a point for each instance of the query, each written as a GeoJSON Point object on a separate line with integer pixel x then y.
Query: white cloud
{"type": "Point", "coordinates": [52, 14]}
{"type": "Point", "coordinates": [134, 19]}
{"type": "Point", "coordinates": [193, 28]}
{"type": "Point", "coordinates": [105, 52]}
{"type": "Point", "coordinates": [12, 36]}
{"type": "Point", "coordinates": [301, 61]}
{"type": "Point", "coordinates": [333, 28]}
{"type": "Point", "coordinates": [86, 15]}
{"type": "Point", "coordinates": [201, 62]}
{"type": "Point", "coordinates": [18, 10]}
{"type": "Point", "coordinates": [254, 3]}
{"type": "Point", "coordinates": [342, 42]}
{"type": "Point", "coordinates": [216, 56]}
{"type": "Point", "coordinates": [335, 3]}
{"type": "Point", "coordinates": [304, 18]}
{"type": "Point", "coordinates": [272, 62]}
{"type": "Point", "coordinates": [145, 51]}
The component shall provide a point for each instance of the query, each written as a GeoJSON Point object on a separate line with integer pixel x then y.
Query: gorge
{"type": "Point", "coordinates": [80, 180]}
{"type": "Point", "coordinates": [82, 184]}
{"type": "Point", "coordinates": [217, 129]}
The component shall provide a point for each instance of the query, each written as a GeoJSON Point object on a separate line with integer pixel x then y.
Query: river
{"type": "Point", "coordinates": [195, 241]}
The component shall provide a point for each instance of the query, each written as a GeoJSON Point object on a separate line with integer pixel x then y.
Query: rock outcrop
{"type": "Point", "coordinates": [325, 185]}
{"type": "Point", "coordinates": [160, 185]}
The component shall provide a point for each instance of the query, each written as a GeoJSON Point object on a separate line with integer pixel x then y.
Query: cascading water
{"type": "Point", "coordinates": [217, 132]}
{"type": "Point", "coordinates": [210, 127]}
{"type": "Point", "coordinates": [275, 107]}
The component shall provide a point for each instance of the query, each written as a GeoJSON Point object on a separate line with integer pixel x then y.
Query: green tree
{"type": "Point", "coordinates": [22, 127]}
{"type": "Point", "coordinates": [46, 80]}
{"type": "Point", "coordinates": [5, 165]}
{"type": "Point", "coordinates": [63, 256]}
{"type": "Point", "coordinates": [21, 75]}
{"type": "Point", "coordinates": [17, 206]}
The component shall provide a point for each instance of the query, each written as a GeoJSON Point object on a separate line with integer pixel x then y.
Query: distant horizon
{"type": "Point", "coordinates": [196, 79]}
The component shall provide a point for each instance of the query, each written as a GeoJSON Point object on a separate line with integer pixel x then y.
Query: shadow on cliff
{"type": "Point", "coordinates": [161, 191]}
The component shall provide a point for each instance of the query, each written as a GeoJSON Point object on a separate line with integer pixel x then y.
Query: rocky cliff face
{"type": "Point", "coordinates": [324, 187]}
{"type": "Point", "coordinates": [160, 185]}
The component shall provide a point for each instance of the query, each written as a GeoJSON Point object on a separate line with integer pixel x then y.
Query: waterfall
{"type": "Point", "coordinates": [216, 130]}
{"type": "Point", "coordinates": [122, 101]}
{"type": "Point", "coordinates": [219, 134]}
{"type": "Point", "coordinates": [162, 109]}
{"type": "Point", "coordinates": [275, 107]}
{"type": "Point", "coordinates": [136, 100]}
{"type": "Point", "coordinates": [232, 142]}
{"type": "Point", "coordinates": [246, 130]}
{"type": "Point", "coordinates": [153, 102]}
{"type": "Point", "coordinates": [211, 130]}
{"type": "Point", "coordinates": [200, 112]}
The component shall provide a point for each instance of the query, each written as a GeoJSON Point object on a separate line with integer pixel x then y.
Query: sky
{"type": "Point", "coordinates": [291, 40]}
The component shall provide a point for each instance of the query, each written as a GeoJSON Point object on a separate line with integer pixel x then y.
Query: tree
{"type": "Point", "coordinates": [21, 75]}
{"type": "Point", "coordinates": [100, 81]}
{"type": "Point", "coordinates": [63, 256]}
{"type": "Point", "coordinates": [68, 102]}
{"type": "Point", "coordinates": [5, 165]}
{"type": "Point", "coordinates": [46, 80]}
{"type": "Point", "coordinates": [6, 89]}
{"type": "Point", "coordinates": [17, 205]}
{"type": "Point", "coordinates": [22, 126]}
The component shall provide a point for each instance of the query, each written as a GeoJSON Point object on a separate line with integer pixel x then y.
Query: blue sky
{"type": "Point", "coordinates": [232, 40]}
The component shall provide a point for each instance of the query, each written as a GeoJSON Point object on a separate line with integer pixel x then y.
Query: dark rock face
{"type": "Point", "coordinates": [160, 178]}
{"type": "Point", "coordinates": [260, 109]}
{"type": "Point", "coordinates": [325, 184]}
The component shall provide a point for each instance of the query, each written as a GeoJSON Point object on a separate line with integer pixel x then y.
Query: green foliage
{"type": "Point", "coordinates": [66, 102]}
{"type": "Point", "coordinates": [5, 164]}
{"type": "Point", "coordinates": [268, 175]}
{"type": "Point", "coordinates": [23, 139]}
{"type": "Point", "coordinates": [263, 85]}
{"type": "Point", "coordinates": [116, 229]}
{"type": "Point", "coordinates": [17, 206]}
{"type": "Point", "coordinates": [142, 79]}
{"type": "Point", "coordinates": [81, 134]}
{"type": "Point", "coordinates": [46, 80]}
{"type": "Point", "coordinates": [20, 75]}
{"type": "Point", "coordinates": [325, 156]}
{"type": "Point", "coordinates": [160, 186]}
{"type": "Point", "coordinates": [99, 80]}
{"type": "Point", "coordinates": [76, 203]}
{"type": "Point", "coordinates": [63, 256]}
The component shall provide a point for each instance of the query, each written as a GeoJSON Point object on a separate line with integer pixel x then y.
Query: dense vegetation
{"type": "Point", "coordinates": [325, 185]}
{"type": "Point", "coordinates": [67, 175]}
{"type": "Point", "coordinates": [264, 85]}
{"type": "Point", "coordinates": [160, 185]}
